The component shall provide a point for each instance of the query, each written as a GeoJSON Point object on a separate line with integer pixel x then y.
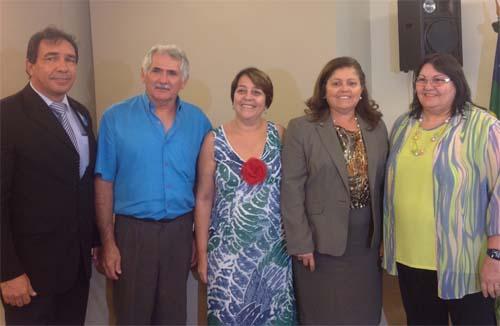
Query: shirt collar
{"type": "Point", "coordinates": [47, 100]}
{"type": "Point", "coordinates": [151, 106]}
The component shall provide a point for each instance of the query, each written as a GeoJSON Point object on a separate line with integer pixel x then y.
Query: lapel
{"type": "Point", "coordinates": [331, 143]}
{"type": "Point", "coordinates": [371, 144]}
{"type": "Point", "coordinates": [37, 110]}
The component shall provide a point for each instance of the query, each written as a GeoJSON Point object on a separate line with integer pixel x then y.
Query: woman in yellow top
{"type": "Point", "coordinates": [441, 205]}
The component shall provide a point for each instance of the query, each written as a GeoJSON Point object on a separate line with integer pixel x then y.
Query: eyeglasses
{"type": "Point", "coordinates": [435, 81]}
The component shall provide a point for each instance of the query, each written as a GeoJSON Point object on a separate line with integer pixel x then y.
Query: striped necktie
{"type": "Point", "coordinates": [61, 112]}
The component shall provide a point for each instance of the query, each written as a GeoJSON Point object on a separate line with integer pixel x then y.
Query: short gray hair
{"type": "Point", "coordinates": [171, 50]}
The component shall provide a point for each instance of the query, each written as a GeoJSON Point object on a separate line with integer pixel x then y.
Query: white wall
{"type": "Point", "coordinates": [479, 45]}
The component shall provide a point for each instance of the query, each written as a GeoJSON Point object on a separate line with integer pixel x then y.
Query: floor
{"type": "Point", "coordinates": [392, 306]}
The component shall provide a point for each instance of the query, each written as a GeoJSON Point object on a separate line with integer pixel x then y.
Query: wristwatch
{"type": "Point", "coordinates": [493, 253]}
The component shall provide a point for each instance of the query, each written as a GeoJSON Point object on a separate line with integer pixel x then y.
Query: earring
{"type": "Point", "coordinates": [360, 97]}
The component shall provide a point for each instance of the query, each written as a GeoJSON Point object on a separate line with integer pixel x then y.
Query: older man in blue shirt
{"type": "Point", "coordinates": [145, 173]}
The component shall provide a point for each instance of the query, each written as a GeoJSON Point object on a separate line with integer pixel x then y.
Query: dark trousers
{"type": "Point", "coordinates": [67, 308]}
{"type": "Point", "coordinates": [424, 307]}
{"type": "Point", "coordinates": [155, 262]}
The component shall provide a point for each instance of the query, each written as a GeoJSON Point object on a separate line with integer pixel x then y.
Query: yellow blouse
{"type": "Point", "coordinates": [415, 223]}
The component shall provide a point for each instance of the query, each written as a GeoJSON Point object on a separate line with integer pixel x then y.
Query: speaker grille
{"type": "Point", "coordinates": [422, 33]}
{"type": "Point", "coordinates": [442, 36]}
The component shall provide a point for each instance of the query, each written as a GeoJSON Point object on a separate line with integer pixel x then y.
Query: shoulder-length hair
{"type": "Point", "coordinates": [449, 66]}
{"type": "Point", "coordinates": [259, 78]}
{"type": "Point", "coordinates": [317, 106]}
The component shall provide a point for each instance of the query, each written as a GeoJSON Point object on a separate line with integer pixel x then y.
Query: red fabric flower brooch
{"type": "Point", "coordinates": [254, 171]}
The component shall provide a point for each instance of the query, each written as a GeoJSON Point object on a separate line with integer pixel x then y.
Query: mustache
{"type": "Point", "coordinates": [161, 86]}
{"type": "Point", "coordinates": [61, 76]}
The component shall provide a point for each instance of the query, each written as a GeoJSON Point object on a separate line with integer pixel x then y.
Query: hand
{"type": "Point", "coordinates": [194, 256]}
{"type": "Point", "coordinates": [111, 260]}
{"type": "Point", "coordinates": [307, 260]}
{"type": "Point", "coordinates": [490, 278]}
{"type": "Point", "coordinates": [17, 291]}
{"type": "Point", "coordinates": [96, 259]}
{"type": "Point", "coordinates": [202, 268]}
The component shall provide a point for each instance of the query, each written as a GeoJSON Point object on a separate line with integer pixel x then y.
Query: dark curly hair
{"type": "Point", "coordinates": [317, 106]}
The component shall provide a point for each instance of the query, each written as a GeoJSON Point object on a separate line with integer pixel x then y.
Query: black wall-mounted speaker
{"type": "Point", "coordinates": [428, 26]}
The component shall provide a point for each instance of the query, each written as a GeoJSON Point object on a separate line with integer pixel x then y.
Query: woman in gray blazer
{"type": "Point", "coordinates": [331, 193]}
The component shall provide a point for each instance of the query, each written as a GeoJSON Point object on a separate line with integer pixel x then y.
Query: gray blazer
{"type": "Point", "coordinates": [315, 196]}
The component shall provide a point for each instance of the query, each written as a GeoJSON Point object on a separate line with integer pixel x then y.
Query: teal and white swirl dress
{"type": "Point", "coordinates": [249, 270]}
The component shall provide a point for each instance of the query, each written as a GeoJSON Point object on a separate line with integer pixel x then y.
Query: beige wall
{"type": "Point", "coordinates": [353, 33]}
{"type": "Point", "coordinates": [290, 40]}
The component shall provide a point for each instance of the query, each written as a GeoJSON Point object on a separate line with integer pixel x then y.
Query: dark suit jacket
{"type": "Point", "coordinates": [315, 195]}
{"type": "Point", "coordinates": [47, 211]}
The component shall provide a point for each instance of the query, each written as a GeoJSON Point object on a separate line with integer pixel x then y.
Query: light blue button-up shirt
{"type": "Point", "coordinates": [153, 171]}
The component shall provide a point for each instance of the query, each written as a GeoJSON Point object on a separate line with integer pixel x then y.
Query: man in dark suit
{"type": "Point", "coordinates": [47, 196]}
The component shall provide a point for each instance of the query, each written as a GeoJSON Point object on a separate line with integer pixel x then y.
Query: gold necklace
{"type": "Point", "coordinates": [346, 142]}
{"type": "Point", "coordinates": [418, 150]}
{"type": "Point", "coordinates": [356, 163]}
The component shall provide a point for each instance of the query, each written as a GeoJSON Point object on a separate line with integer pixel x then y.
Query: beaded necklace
{"type": "Point", "coordinates": [418, 149]}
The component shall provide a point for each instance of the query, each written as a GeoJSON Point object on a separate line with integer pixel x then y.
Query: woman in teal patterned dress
{"type": "Point", "coordinates": [239, 234]}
